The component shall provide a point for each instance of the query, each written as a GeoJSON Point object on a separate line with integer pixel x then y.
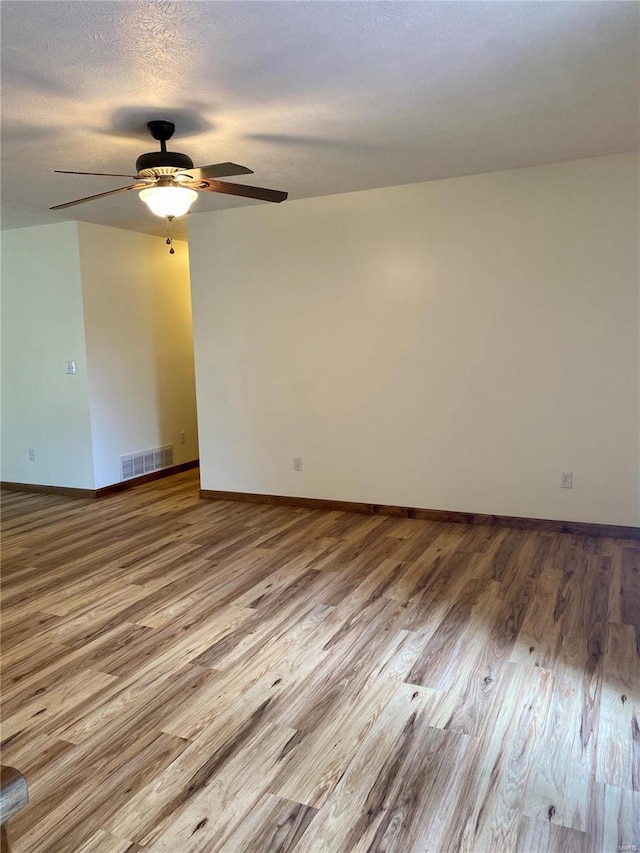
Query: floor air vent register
{"type": "Point", "coordinates": [146, 461]}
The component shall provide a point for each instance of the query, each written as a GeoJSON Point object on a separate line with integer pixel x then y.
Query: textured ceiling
{"type": "Point", "coordinates": [315, 97]}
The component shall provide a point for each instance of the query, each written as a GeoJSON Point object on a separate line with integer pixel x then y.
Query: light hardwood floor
{"type": "Point", "coordinates": [184, 675]}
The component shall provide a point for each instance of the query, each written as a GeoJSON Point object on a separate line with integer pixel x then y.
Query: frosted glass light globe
{"type": "Point", "coordinates": [168, 201]}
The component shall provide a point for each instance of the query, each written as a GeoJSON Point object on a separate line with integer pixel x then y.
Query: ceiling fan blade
{"type": "Point", "coordinates": [217, 170]}
{"type": "Point", "coordinates": [98, 195]}
{"type": "Point", "coordinates": [244, 190]}
{"type": "Point", "coordinates": [103, 174]}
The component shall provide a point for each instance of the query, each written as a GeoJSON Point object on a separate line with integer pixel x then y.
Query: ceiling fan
{"type": "Point", "coordinates": [169, 183]}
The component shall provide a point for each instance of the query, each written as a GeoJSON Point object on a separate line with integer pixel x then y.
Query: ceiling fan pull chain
{"type": "Point", "coordinates": [169, 240]}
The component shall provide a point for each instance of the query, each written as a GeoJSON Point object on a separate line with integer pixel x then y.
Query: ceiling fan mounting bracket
{"type": "Point", "coordinates": [161, 130]}
{"type": "Point", "coordinates": [162, 162]}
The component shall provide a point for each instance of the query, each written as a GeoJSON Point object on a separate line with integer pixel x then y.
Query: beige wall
{"type": "Point", "coordinates": [137, 312]}
{"type": "Point", "coordinates": [117, 303]}
{"type": "Point", "coordinates": [452, 344]}
{"type": "Point", "coordinates": [42, 407]}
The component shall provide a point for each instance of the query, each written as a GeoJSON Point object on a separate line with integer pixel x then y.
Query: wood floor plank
{"type": "Point", "coordinates": [538, 836]}
{"type": "Point", "coordinates": [186, 675]}
{"type": "Point", "coordinates": [356, 804]}
{"type": "Point", "coordinates": [216, 807]}
{"type": "Point", "coordinates": [273, 824]}
{"type": "Point", "coordinates": [104, 842]}
{"type": "Point", "coordinates": [559, 786]}
{"type": "Point", "coordinates": [437, 667]}
{"type": "Point", "coordinates": [395, 816]}
{"type": "Point", "coordinates": [618, 749]}
{"type": "Point", "coordinates": [481, 673]}
{"type": "Point", "coordinates": [487, 814]}
{"type": "Point", "coordinates": [614, 820]}
{"type": "Point", "coordinates": [424, 567]}
{"type": "Point", "coordinates": [630, 590]}
{"type": "Point", "coordinates": [52, 704]}
{"type": "Point", "coordinates": [145, 705]}
{"type": "Point", "coordinates": [539, 638]}
{"type": "Point", "coordinates": [312, 772]}
{"type": "Point", "coordinates": [20, 686]}
{"type": "Point", "coordinates": [77, 817]}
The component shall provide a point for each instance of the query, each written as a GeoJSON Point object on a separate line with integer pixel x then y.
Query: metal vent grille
{"type": "Point", "coordinates": [145, 461]}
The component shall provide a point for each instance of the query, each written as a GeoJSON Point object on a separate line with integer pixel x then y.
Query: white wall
{"type": "Point", "coordinates": [137, 312]}
{"type": "Point", "coordinates": [42, 327]}
{"type": "Point", "coordinates": [450, 345]}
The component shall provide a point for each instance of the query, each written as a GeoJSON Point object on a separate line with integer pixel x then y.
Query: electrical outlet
{"type": "Point", "coordinates": [70, 367]}
{"type": "Point", "coordinates": [297, 463]}
{"type": "Point", "coordinates": [32, 454]}
{"type": "Point", "coordinates": [183, 437]}
{"type": "Point", "coordinates": [566, 479]}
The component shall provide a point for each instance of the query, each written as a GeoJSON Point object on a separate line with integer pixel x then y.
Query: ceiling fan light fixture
{"type": "Point", "coordinates": [168, 201]}
{"type": "Point", "coordinates": [168, 178]}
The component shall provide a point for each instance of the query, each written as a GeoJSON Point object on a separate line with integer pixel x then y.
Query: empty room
{"type": "Point", "coordinates": [320, 426]}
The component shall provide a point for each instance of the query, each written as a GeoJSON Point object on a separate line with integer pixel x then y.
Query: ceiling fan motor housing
{"type": "Point", "coordinates": [162, 163]}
